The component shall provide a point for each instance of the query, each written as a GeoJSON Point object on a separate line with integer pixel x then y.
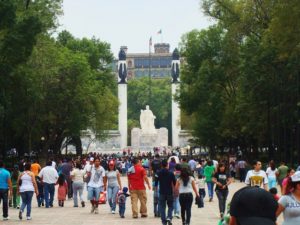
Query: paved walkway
{"type": "Point", "coordinates": [81, 216]}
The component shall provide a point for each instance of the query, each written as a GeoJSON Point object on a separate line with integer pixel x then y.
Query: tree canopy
{"type": "Point", "coordinates": [240, 78]}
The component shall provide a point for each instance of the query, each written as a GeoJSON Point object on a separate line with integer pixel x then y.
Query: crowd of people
{"type": "Point", "coordinates": [175, 182]}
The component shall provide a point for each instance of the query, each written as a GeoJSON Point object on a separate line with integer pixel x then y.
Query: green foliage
{"type": "Point", "coordinates": [241, 76]}
{"type": "Point", "coordinates": [50, 88]}
{"type": "Point", "coordinates": [160, 103]}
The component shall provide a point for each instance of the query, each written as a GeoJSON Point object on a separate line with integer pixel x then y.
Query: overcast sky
{"type": "Point", "coordinates": [133, 22]}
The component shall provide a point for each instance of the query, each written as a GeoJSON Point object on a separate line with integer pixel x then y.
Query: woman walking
{"type": "Point", "coordinates": [186, 185]}
{"type": "Point", "coordinates": [77, 185]}
{"type": "Point", "coordinates": [222, 180]}
{"type": "Point", "coordinates": [289, 203]}
{"type": "Point", "coordinates": [271, 173]}
{"type": "Point", "coordinates": [26, 186]}
{"type": "Point", "coordinates": [113, 181]}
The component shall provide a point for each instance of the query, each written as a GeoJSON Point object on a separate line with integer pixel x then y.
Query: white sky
{"type": "Point", "coordinates": [133, 22]}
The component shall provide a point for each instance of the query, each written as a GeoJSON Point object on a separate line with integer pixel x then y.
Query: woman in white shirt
{"type": "Point", "coordinates": [186, 185]}
{"type": "Point", "coordinates": [271, 173]}
{"type": "Point", "coordinates": [77, 185]}
{"type": "Point", "coordinates": [26, 185]}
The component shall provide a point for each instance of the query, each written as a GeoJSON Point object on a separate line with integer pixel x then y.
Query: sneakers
{"type": "Point", "coordinates": [93, 209]}
{"type": "Point", "coordinates": [210, 199]}
{"type": "Point", "coordinates": [20, 215]}
{"type": "Point", "coordinates": [96, 211]}
{"type": "Point", "coordinates": [28, 218]}
{"type": "Point", "coordinates": [5, 218]}
{"type": "Point", "coordinates": [169, 222]}
{"type": "Point", "coordinates": [177, 215]}
{"type": "Point", "coordinates": [122, 216]}
{"type": "Point", "coordinates": [82, 204]}
{"type": "Point", "coordinates": [113, 212]}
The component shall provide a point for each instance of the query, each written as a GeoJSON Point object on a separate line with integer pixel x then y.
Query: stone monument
{"type": "Point", "coordinates": [122, 95]}
{"type": "Point", "coordinates": [147, 137]}
{"type": "Point", "coordinates": [175, 71]}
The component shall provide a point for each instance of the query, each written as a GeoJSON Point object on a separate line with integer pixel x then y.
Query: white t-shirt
{"type": "Point", "coordinates": [78, 175]}
{"type": "Point", "coordinates": [291, 211]}
{"type": "Point", "coordinates": [254, 178]}
{"type": "Point", "coordinates": [49, 175]}
{"type": "Point", "coordinates": [87, 167]}
{"type": "Point", "coordinates": [201, 183]}
{"type": "Point", "coordinates": [97, 175]}
{"type": "Point", "coordinates": [186, 189]}
{"type": "Point", "coordinates": [271, 173]}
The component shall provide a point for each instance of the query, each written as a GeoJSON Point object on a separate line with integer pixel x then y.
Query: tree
{"type": "Point", "coordinates": [160, 103]}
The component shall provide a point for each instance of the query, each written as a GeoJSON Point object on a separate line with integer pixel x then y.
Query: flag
{"type": "Point", "coordinates": [159, 32]}
{"type": "Point", "coordinates": [150, 41]}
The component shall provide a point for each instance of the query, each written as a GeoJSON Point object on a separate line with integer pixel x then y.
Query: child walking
{"type": "Point", "coordinates": [122, 201]}
{"type": "Point", "coordinates": [62, 190]}
{"type": "Point", "coordinates": [40, 196]}
{"type": "Point", "coordinates": [201, 187]}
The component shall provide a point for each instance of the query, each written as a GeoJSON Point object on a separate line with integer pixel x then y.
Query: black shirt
{"type": "Point", "coordinates": [165, 178]}
{"type": "Point", "coordinates": [222, 178]}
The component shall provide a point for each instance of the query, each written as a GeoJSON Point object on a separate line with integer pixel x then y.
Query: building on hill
{"type": "Point", "coordinates": [158, 63]}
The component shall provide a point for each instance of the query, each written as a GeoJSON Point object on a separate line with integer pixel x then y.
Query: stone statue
{"type": "Point", "coordinates": [147, 121]}
{"type": "Point", "coordinates": [122, 67]}
{"type": "Point", "coordinates": [175, 70]}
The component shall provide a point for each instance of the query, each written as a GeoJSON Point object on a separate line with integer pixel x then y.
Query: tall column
{"type": "Point", "coordinates": [122, 95]}
{"type": "Point", "coordinates": [176, 125]}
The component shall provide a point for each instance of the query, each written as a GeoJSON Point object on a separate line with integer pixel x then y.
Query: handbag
{"type": "Point", "coordinates": [87, 177]}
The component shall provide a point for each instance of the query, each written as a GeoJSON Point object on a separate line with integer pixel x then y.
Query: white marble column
{"type": "Point", "coordinates": [176, 127]}
{"type": "Point", "coordinates": [122, 94]}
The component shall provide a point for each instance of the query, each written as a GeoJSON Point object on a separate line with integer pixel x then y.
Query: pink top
{"type": "Point", "coordinates": [62, 191]}
{"type": "Point", "coordinates": [284, 182]}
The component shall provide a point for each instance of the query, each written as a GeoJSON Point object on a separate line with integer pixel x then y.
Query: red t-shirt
{"type": "Point", "coordinates": [136, 179]}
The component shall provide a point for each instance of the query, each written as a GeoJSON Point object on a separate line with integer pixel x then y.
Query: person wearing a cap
{"type": "Point", "coordinates": [289, 203]}
{"type": "Point", "coordinates": [253, 206]}
{"type": "Point", "coordinates": [257, 177]}
{"type": "Point", "coordinates": [113, 180]}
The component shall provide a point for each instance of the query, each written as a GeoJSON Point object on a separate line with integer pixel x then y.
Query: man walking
{"type": "Point", "coordinates": [166, 181]}
{"type": "Point", "coordinates": [49, 176]}
{"type": "Point", "coordinates": [66, 169]}
{"type": "Point", "coordinates": [5, 189]}
{"type": "Point", "coordinates": [136, 177]}
{"type": "Point", "coordinates": [257, 177]}
{"type": "Point", "coordinates": [96, 185]}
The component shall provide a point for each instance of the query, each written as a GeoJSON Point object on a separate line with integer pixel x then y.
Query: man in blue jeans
{"type": "Point", "coordinates": [166, 181]}
{"type": "Point", "coordinates": [49, 176]}
{"type": "Point", "coordinates": [5, 185]}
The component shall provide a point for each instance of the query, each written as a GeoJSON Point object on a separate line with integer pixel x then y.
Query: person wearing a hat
{"type": "Point", "coordinates": [289, 203]}
{"type": "Point", "coordinates": [113, 180]}
{"type": "Point", "coordinates": [253, 206]}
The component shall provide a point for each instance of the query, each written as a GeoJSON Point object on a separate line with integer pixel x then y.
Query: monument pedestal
{"type": "Point", "coordinates": [122, 94]}
{"type": "Point", "coordinates": [175, 117]}
{"type": "Point", "coordinates": [146, 142]}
